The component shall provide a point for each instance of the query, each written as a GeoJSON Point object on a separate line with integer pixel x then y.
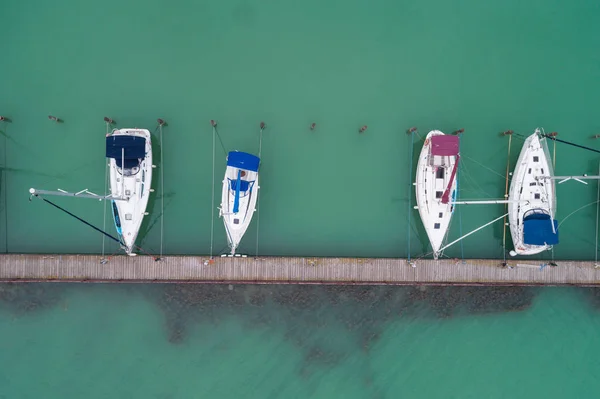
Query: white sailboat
{"type": "Point", "coordinates": [130, 170]}
{"type": "Point", "coordinates": [130, 154]}
{"type": "Point", "coordinates": [532, 199]}
{"type": "Point", "coordinates": [239, 195]}
{"type": "Point", "coordinates": [435, 185]}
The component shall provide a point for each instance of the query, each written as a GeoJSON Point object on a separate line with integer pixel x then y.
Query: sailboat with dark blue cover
{"type": "Point", "coordinates": [239, 196]}
{"type": "Point", "coordinates": [130, 155]}
{"type": "Point", "coordinates": [130, 171]}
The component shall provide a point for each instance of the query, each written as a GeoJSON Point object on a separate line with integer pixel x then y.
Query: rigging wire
{"type": "Point", "coordinates": [483, 166]}
{"type": "Point", "coordinates": [575, 211]}
{"type": "Point", "coordinates": [80, 219]}
{"type": "Point", "coordinates": [569, 143]}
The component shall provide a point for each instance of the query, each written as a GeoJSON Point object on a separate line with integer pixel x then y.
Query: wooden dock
{"type": "Point", "coordinates": [292, 270]}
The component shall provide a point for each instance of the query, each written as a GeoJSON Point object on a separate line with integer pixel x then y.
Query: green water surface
{"type": "Point", "coordinates": [479, 65]}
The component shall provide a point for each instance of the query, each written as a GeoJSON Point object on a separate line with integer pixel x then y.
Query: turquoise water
{"type": "Point", "coordinates": [483, 66]}
{"type": "Point", "coordinates": [480, 65]}
{"type": "Point", "coordinates": [298, 342]}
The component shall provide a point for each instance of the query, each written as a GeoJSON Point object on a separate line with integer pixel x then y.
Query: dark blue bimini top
{"type": "Point", "coordinates": [243, 160]}
{"type": "Point", "coordinates": [537, 229]}
{"type": "Point", "coordinates": [134, 146]}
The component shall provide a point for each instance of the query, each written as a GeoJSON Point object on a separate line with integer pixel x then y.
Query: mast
{"type": "Point", "coordinates": [485, 202]}
{"type": "Point", "coordinates": [81, 194]}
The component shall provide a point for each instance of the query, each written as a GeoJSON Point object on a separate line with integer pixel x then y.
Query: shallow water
{"type": "Point", "coordinates": [280, 341]}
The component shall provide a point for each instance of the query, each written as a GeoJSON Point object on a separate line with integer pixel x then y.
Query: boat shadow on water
{"type": "Point", "coordinates": [416, 226]}
{"type": "Point", "coordinates": [155, 213]}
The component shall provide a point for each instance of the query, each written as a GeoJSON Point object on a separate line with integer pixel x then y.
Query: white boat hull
{"type": "Point", "coordinates": [134, 188]}
{"type": "Point", "coordinates": [236, 221]}
{"type": "Point", "coordinates": [432, 178]}
{"type": "Point", "coordinates": [529, 192]}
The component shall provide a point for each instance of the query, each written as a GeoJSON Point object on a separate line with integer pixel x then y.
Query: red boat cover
{"type": "Point", "coordinates": [444, 145]}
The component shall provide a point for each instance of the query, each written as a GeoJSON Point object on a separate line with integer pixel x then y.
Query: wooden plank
{"type": "Point", "coordinates": [296, 270]}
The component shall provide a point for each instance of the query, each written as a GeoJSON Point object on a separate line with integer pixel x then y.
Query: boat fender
{"type": "Point", "coordinates": [426, 142]}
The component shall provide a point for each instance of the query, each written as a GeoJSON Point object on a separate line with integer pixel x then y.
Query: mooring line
{"type": "Point", "coordinates": [462, 250]}
{"type": "Point", "coordinates": [506, 197]}
{"type": "Point", "coordinates": [4, 194]}
{"type": "Point", "coordinates": [105, 193]}
{"type": "Point", "coordinates": [262, 127]}
{"type": "Point", "coordinates": [212, 203]}
{"type": "Point", "coordinates": [162, 186]}
{"type": "Point", "coordinates": [219, 136]}
{"type": "Point", "coordinates": [412, 132]}
{"type": "Point", "coordinates": [597, 212]}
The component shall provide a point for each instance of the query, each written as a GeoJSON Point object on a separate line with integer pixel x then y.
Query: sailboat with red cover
{"type": "Point", "coordinates": [436, 186]}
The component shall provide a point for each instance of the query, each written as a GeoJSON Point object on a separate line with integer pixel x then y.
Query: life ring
{"type": "Point", "coordinates": [426, 142]}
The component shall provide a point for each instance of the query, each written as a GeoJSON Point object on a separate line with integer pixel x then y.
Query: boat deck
{"type": "Point", "coordinates": [292, 270]}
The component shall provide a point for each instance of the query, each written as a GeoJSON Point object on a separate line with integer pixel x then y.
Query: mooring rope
{"type": "Point", "coordinates": [220, 140]}
{"type": "Point", "coordinates": [262, 126]}
{"type": "Point", "coordinates": [506, 197]}
{"type": "Point", "coordinates": [162, 187]}
{"type": "Point", "coordinates": [212, 203]}
{"type": "Point", "coordinates": [105, 193]}
{"type": "Point", "coordinates": [410, 190]}
{"type": "Point", "coordinates": [3, 182]}
{"type": "Point", "coordinates": [462, 249]}
{"type": "Point", "coordinates": [597, 212]}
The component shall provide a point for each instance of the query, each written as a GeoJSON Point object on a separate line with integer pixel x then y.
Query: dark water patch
{"type": "Point", "coordinates": [28, 297]}
{"type": "Point", "coordinates": [593, 295]}
{"type": "Point", "coordinates": [329, 323]}
{"type": "Point", "coordinates": [451, 301]}
{"type": "Point", "coordinates": [187, 303]}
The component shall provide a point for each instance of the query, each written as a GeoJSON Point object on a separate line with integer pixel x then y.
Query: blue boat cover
{"type": "Point", "coordinates": [135, 147]}
{"type": "Point", "coordinates": [244, 185]}
{"type": "Point", "coordinates": [537, 230]}
{"type": "Point", "coordinates": [243, 160]}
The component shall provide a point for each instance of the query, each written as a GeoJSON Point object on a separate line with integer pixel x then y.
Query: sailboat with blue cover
{"type": "Point", "coordinates": [130, 155]}
{"type": "Point", "coordinates": [533, 191]}
{"type": "Point", "coordinates": [532, 199]}
{"type": "Point", "coordinates": [239, 196]}
{"type": "Point", "coordinates": [130, 169]}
